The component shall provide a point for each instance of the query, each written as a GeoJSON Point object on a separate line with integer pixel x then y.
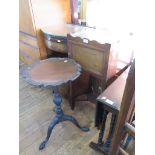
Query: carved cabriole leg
{"type": "Point", "coordinates": [101, 134]}
{"type": "Point", "coordinates": [74, 121]}
{"type": "Point", "coordinates": [50, 128]}
{"type": "Point", "coordinates": [106, 146]}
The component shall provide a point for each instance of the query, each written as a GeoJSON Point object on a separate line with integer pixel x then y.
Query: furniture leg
{"type": "Point", "coordinates": [55, 121]}
{"type": "Point", "coordinates": [106, 146]}
{"type": "Point", "coordinates": [74, 121]}
{"type": "Point", "coordinates": [101, 134]}
{"type": "Point", "coordinates": [99, 146]}
{"type": "Point", "coordinates": [71, 100]}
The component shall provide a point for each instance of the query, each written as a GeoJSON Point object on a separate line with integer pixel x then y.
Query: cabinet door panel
{"type": "Point", "coordinates": [90, 59]}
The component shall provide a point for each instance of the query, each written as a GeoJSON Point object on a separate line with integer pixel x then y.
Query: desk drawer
{"type": "Point", "coordinates": [57, 44]}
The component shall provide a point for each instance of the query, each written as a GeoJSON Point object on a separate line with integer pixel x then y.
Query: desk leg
{"type": "Point", "coordinates": [60, 117]}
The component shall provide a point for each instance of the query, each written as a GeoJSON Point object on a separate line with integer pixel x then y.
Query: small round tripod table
{"type": "Point", "coordinates": [52, 73]}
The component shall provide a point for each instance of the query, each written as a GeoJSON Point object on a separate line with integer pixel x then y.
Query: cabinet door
{"type": "Point", "coordinates": [25, 17]}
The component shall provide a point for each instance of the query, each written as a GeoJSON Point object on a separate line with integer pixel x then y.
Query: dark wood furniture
{"type": "Point", "coordinates": [52, 73]}
{"type": "Point", "coordinates": [93, 57]}
{"type": "Point", "coordinates": [98, 53]}
{"type": "Point", "coordinates": [129, 94]}
{"type": "Point", "coordinates": [55, 37]}
{"type": "Point", "coordinates": [109, 101]}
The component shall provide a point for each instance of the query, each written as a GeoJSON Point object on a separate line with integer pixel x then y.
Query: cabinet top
{"type": "Point", "coordinates": [112, 96]}
{"type": "Point", "coordinates": [99, 35]}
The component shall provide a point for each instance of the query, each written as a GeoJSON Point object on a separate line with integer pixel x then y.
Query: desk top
{"type": "Point", "coordinates": [112, 96]}
{"type": "Point", "coordinates": [51, 72]}
{"type": "Point", "coordinates": [61, 30]}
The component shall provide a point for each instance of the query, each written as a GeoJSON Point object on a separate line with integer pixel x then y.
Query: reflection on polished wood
{"type": "Point", "coordinates": [61, 30]}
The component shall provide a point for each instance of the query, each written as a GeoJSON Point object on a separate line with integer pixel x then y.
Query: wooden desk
{"type": "Point", "coordinates": [55, 37]}
{"type": "Point", "coordinates": [109, 101]}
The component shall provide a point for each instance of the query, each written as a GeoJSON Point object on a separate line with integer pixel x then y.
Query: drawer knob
{"type": "Point", "coordinates": [85, 41]}
{"type": "Point", "coordinates": [58, 41]}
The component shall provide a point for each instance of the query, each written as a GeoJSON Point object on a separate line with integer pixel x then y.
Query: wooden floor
{"type": "Point", "coordinates": [36, 111]}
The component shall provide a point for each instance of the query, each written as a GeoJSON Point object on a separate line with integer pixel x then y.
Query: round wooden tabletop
{"type": "Point", "coordinates": [51, 72]}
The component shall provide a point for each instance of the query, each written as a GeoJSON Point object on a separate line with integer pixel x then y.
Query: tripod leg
{"type": "Point", "coordinates": [74, 121]}
{"type": "Point", "coordinates": [55, 121]}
